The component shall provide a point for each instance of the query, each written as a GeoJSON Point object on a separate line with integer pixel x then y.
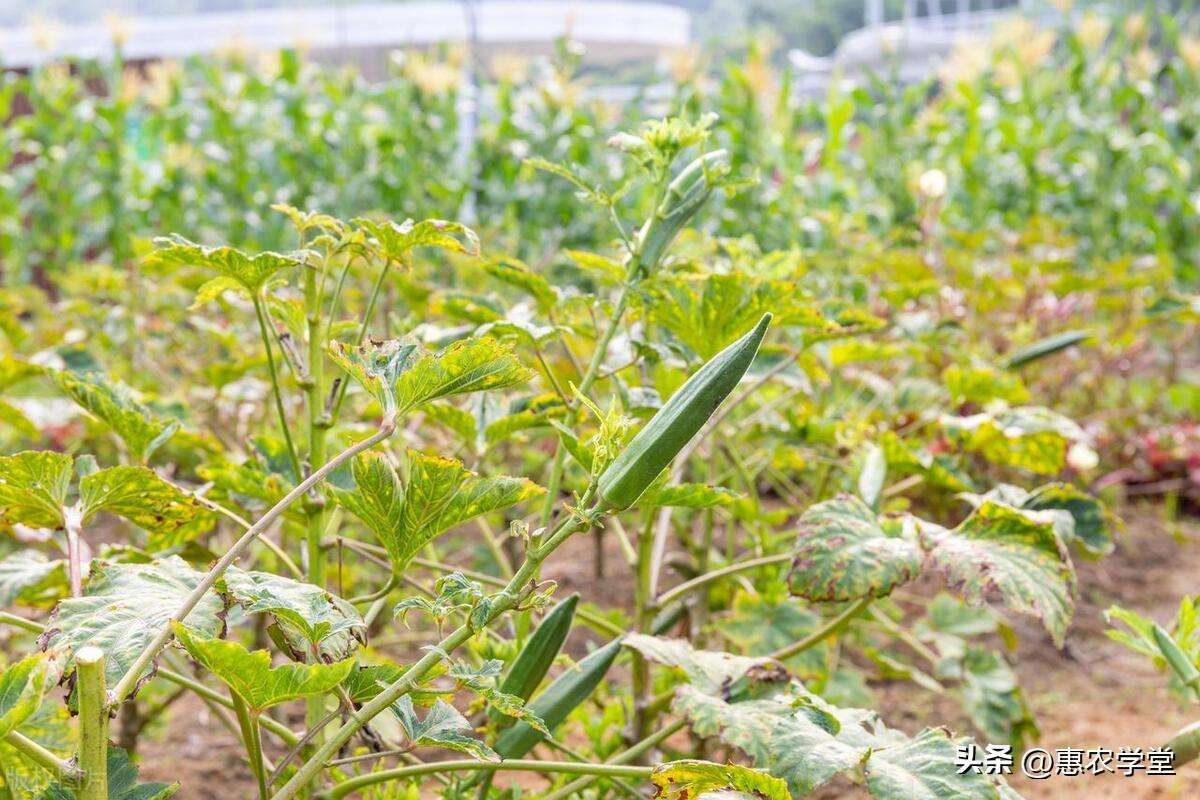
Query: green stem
{"type": "Point", "coordinates": [685, 588]}
{"type": "Point", "coordinates": [251, 738]}
{"type": "Point", "coordinates": [20, 622]}
{"type": "Point", "coordinates": [315, 400]}
{"type": "Point", "coordinates": [43, 757]}
{"type": "Point", "coordinates": [93, 723]}
{"type": "Point", "coordinates": [1185, 745]}
{"type": "Point", "coordinates": [283, 422]}
{"type": "Point", "coordinates": [504, 601]}
{"type": "Point", "coordinates": [514, 765]}
{"type": "Point", "coordinates": [644, 608]}
{"type": "Point", "coordinates": [123, 687]}
{"type": "Point", "coordinates": [285, 734]}
{"type": "Point", "coordinates": [635, 752]}
{"type": "Point", "coordinates": [362, 334]}
{"type": "Point", "coordinates": [831, 627]}
{"type": "Point", "coordinates": [585, 384]}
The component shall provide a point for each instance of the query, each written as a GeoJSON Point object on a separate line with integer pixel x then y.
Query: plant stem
{"type": "Point", "coordinates": [285, 734]}
{"type": "Point", "coordinates": [676, 592]}
{"type": "Point", "coordinates": [644, 608]}
{"type": "Point", "coordinates": [503, 602]}
{"type": "Point", "coordinates": [251, 738]}
{"type": "Point", "coordinates": [275, 390]}
{"type": "Point", "coordinates": [317, 428]}
{"type": "Point", "coordinates": [386, 428]}
{"type": "Point", "coordinates": [93, 724]}
{"type": "Point", "coordinates": [831, 627]}
{"type": "Point", "coordinates": [514, 765]}
{"type": "Point", "coordinates": [362, 334]}
{"type": "Point", "coordinates": [43, 757]}
{"type": "Point", "coordinates": [1185, 745]}
{"type": "Point", "coordinates": [573, 788]}
{"type": "Point", "coordinates": [20, 622]}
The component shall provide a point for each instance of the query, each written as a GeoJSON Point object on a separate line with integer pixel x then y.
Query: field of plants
{"type": "Point", "coordinates": [732, 446]}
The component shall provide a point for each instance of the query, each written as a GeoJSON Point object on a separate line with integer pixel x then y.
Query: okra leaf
{"type": "Point", "coordinates": [49, 726]}
{"type": "Point", "coordinates": [844, 552]}
{"type": "Point", "coordinates": [28, 577]}
{"type": "Point", "coordinates": [687, 495]}
{"type": "Point", "coordinates": [170, 516]}
{"type": "Point", "coordinates": [796, 736]}
{"type": "Point", "coordinates": [443, 726]}
{"type": "Point", "coordinates": [994, 700]}
{"type": "Point", "coordinates": [251, 271]}
{"type": "Point", "coordinates": [22, 686]}
{"type": "Point", "coordinates": [924, 767]}
{"type": "Point", "coordinates": [375, 365]}
{"type": "Point", "coordinates": [470, 365]}
{"type": "Point", "coordinates": [690, 779]}
{"type": "Point", "coordinates": [123, 608]}
{"type": "Point", "coordinates": [367, 681]}
{"type": "Point", "coordinates": [395, 240]}
{"type": "Point", "coordinates": [33, 488]}
{"type": "Point", "coordinates": [250, 674]}
{"type": "Point", "coordinates": [440, 494]}
{"type": "Point", "coordinates": [1028, 437]}
{"type": "Point", "coordinates": [305, 615]}
{"type": "Point", "coordinates": [122, 782]}
{"type": "Point", "coordinates": [999, 549]}
{"type": "Point", "coordinates": [115, 406]}
{"type": "Point", "coordinates": [1077, 516]}
{"type": "Point", "coordinates": [516, 273]}
{"type": "Point", "coordinates": [710, 671]}
{"type": "Point", "coordinates": [764, 622]}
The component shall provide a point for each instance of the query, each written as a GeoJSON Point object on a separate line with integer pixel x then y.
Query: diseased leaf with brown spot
{"type": "Point", "coordinates": [33, 488]}
{"type": "Point", "coordinates": [1000, 550]}
{"type": "Point", "coordinates": [170, 516]}
{"type": "Point", "coordinates": [844, 553]}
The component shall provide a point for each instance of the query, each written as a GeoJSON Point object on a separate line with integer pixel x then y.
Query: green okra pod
{"type": "Point", "coordinates": [559, 699]}
{"type": "Point", "coordinates": [1178, 660]}
{"type": "Point", "coordinates": [1045, 347]}
{"type": "Point", "coordinates": [687, 192]}
{"type": "Point", "coordinates": [538, 654]}
{"type": "Point", "coordinates": [679, 419]}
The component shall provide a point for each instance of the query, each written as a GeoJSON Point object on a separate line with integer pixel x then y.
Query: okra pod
{"type": "Point", "coordinates": [679, 419]}
{"type": "Point", "coordinates": [535, 658]}
{"type": "Point", "coordinates": [559, 699]}
{"type": "Point", "coordinates": [1178, 660]}
{"type": "Point", "coordinates": [686, 193]}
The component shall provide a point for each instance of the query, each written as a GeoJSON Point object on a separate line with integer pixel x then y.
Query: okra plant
{"type": "Point", "coordinates": [334, 496]}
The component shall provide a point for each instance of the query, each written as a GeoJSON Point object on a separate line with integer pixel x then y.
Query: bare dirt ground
{"type": "Point", "coordinates": [1094, 694]}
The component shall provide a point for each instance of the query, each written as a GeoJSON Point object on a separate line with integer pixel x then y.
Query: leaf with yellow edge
{"type": "Point", "coordinates": [22, 686]}
{"type": "Point", "coordinates": [170, 515]}
{"type": "Point", "coordinates": [115, 405]}
{"type": "Point", "coordinates": [1028, 437]}
{"type": "Point", "coordinates": [33, 488]}
{"type": "Point", "coordinates": [691, 779]}
{"type": "Point", "coordinates": [251, 676]}
{"type": "Point", "coordinates": [470, 365]}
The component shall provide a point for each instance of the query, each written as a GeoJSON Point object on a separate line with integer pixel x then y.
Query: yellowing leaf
{"type": "Point", "coordinates": [471, 365]}
{"type": "Point", "coordinates": [33, 488]}
{"type": "Point", "coordinates": [844, 553]}
{"type": "Point", "coordinates": [709, 671]}
{"type": "Point", "coordinates": [250, 674]}
{"type": "Point", "coordinates": [1029, 437]}
{"type": "Point", "coordinates": [443, 726]}
{"type": "Point", "coordinates": [440, 494]}
{"type": "Point", "coordinates": [170, 516]}
{"type": "Point", "coordinates": [395, 240]}
{"type": "Point", "coordinates": [696, 780]}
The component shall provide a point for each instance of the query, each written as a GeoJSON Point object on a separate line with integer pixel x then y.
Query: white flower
{"type": "Point", "coordinates": [932, 184]}
{"type": "Point", "coordinates": [1082, 458]}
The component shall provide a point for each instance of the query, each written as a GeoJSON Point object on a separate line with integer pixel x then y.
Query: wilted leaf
{"type": "Point", "coordinates": [843, 552]}
{"type": "Point", "coordinates": [924, 768]}
{"type": "Point", "coordinates": [375, 365]}
{"type": "Point", "coordinates": [695, 780]}
{"type": "Point", "coordinates": [124, 606]}
{"type": "Point", "coordinates": [33, 488]}
{"type": "Point", "coordinates": [1000, 549]}
{"type": "Point", "coordinates": [306, 614]}
{"type": "Point", "coordinates": [440, 494]}
{"type": "Point", "coordinates": [115, 406]}
{"type": "Point", "coordinates": [170, 516]}
{"type": "Point", "coordinates": [251, 675]}
{"type": "Point", "coordinates": [443, 726]}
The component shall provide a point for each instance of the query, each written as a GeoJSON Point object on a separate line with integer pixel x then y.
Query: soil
{"type": "Point", "coordinates": [1092, 694]}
